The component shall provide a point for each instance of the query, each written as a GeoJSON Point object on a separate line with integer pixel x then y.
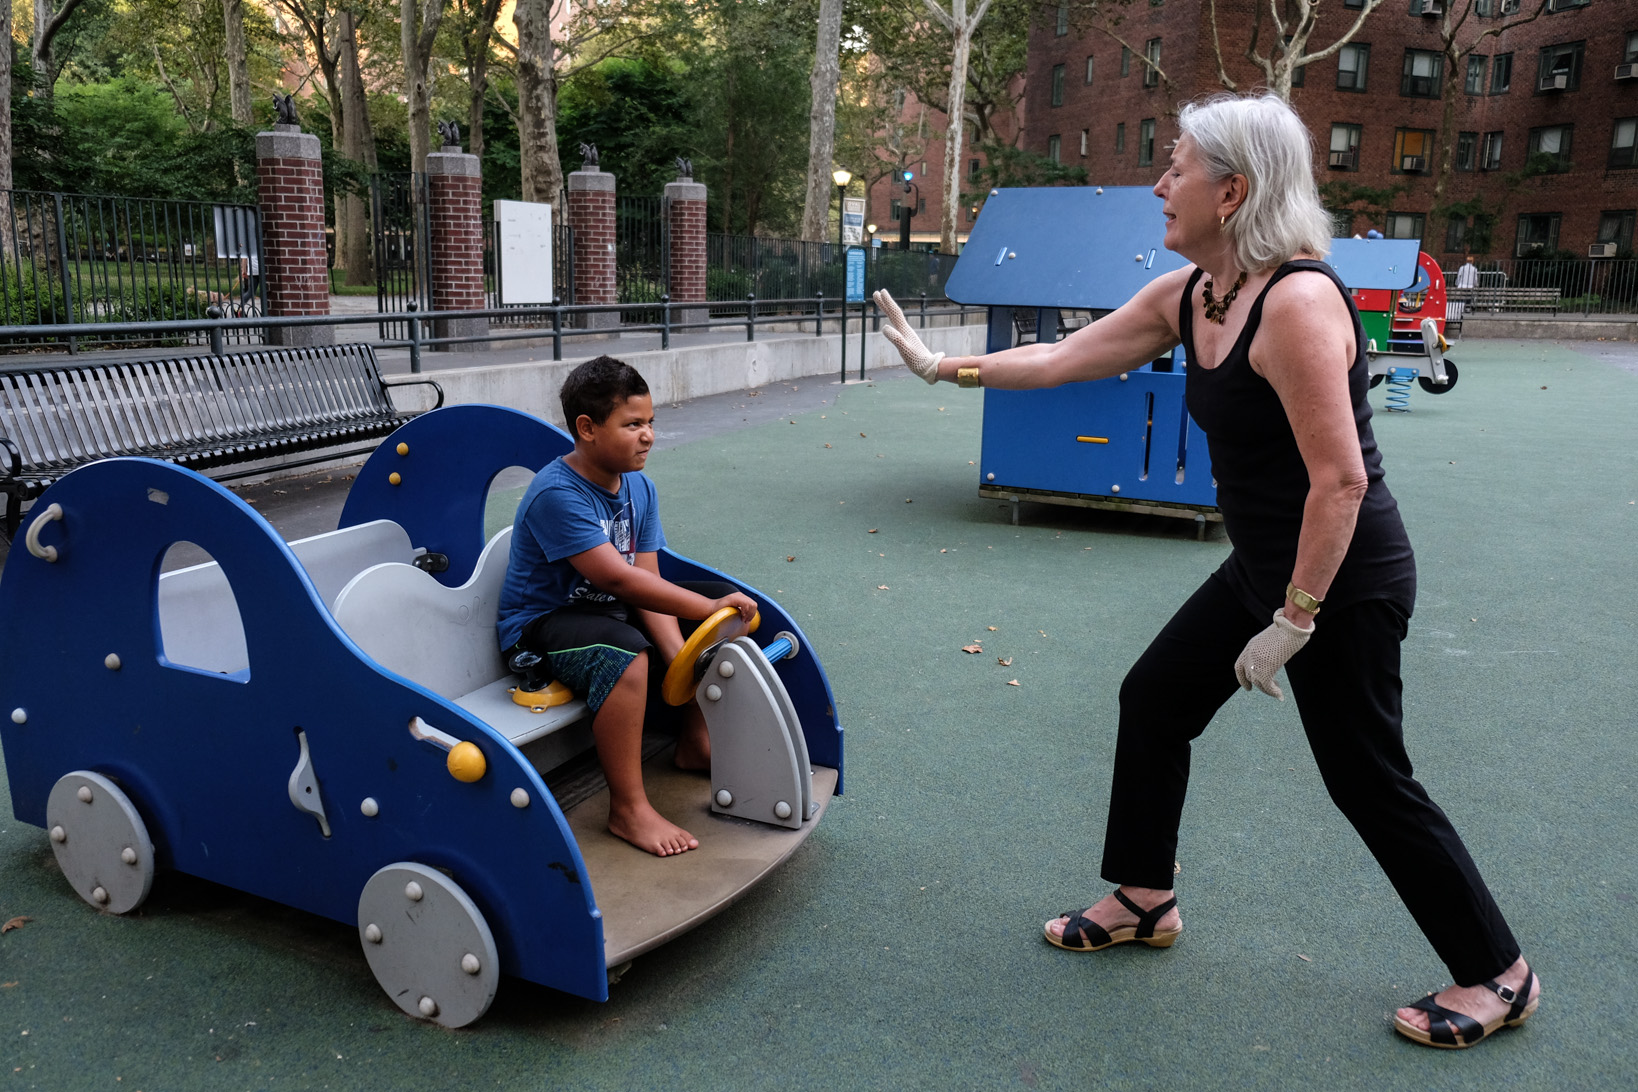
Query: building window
{"type": "Point", "coordinates": [1456, 234]}
{"type": "Point", "coordinates": [1352, 61]}
{"type": "Point", "coordinates": [1501, 73]}
{"type": "Point", "coordinates": [1055, 148]}
{"type": "Point", "coordinates": [1563, 5]}
{"type": "Point", "coordinates": [972, 170]}
{"type": "Point", "coordinates": [1063, 21]}
{"type": "Point", "coordinates": [1146, 142]}
{"type": "Point", "coordinates": [1624, 143]}
{"type": "Point", "coordinates": [1558, 67]}
{"type": "Point", "coordinates": [1467, 151]}
{"type": "Point", "coordinates": [1616, 227]}
{"type": "Point", "coordinates": [1404, 225]}
{"type": "Point", "coordinates": [1353, 3]}
{"type": "Point", "coordinates": [1537, 235]}
{"type": "Point", "coordinates": [1420, 80]}
{"type": "Point", "coordinates": [1125, 61]}
{"type": "Point", "coordinates": [1057, 85]}
{"type": "Point", "coordinates": [1630, 54]}
{"type": "Point", "coordinates": [895, 209]}
{"type": "Point", "coordinates": [921, 204]}
{"type": "Point", "coordinates": [1089, 69]}
{"type": "Point", "coordinates": [1151, 71]}
{"type": "Point", "coordinates": [1484, 9]}
{"type": "Point", "coordinates": [1550, 147]}
{"type": "Point", "coordinates": [1412, 152]}
{"type": "Point", "coordinates": [1344, 147]}
{"type": "Point", "coordinates": [1085, 135]}
{"type": "Point", "coordinates": [1490, 152]}
{"type": "Point", "coordinates": [1120, 136]}
{"type": "Point", "coordinates": [1475, 75]}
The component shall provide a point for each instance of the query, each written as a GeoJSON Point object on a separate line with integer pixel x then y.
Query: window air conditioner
{"type": "Point", "coordinates": [1601, 250]}
{"type": "Point", "coordinates": [1626, 71]}
{"type": "Point", "coordinates": [1414, 163]}
{"type": "Point", "coordinates": [1555, 81]}
{"type": "Point", "coordinates": [1342, 159]}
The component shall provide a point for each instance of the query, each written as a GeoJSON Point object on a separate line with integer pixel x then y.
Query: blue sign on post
{"type": "Point", "coordinates": [855, 275]}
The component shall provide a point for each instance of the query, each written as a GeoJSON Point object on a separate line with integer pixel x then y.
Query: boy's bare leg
{"type": "Point", "coordinates": [694, 744]}
{"type": "Point", "coordinates": [618, 730]}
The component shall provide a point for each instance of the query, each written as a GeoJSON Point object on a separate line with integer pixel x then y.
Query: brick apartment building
{"type": "Point", "coordinates": [1559, 93]}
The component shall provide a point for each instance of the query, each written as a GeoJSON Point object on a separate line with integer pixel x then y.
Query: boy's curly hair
{"type": "Point", "coordinates": [596, 387]}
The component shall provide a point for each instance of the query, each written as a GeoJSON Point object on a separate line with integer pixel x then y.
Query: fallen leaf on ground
{"type": "Point", "coordinates": [990, 628]}
{"type": "Point", "coordinates": [791, 558]}
{"type": "Point", "coordinates": [827, 445]}
{"type": "Point", "coordinates": [1004, 663]}
{"type": "Point", "coordinates": [1012, 682]}
{"type": "Point", "coordinates": [881, 587]}
{"type": "Point", "coordinates": [15, 923]}
{"type": "Point", "coordinates": [7, 986]}
{"type": "Point", "coordinates": [861, 435]}
{"type": "Point", "coordinates": [1304, 958]}
{"type": "Point", "coordinates": [972, 648]}
{"type": "Point", "coordinates": [907, 500]}
{"type": "Point", "coordinates": [871, 531]}
{"type": "Point", "coordinates": [944, 551]}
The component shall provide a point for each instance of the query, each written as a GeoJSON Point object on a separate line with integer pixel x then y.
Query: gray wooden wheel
{"type": "Point", "coordinates": [428, 945]}
{"type": "Point", "coordinates": [100, 841]}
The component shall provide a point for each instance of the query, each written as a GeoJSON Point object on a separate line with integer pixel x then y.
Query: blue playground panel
{"type": "Point", "coordinates": [1121, 442]}
{"type": "Point", "coordinates": [206, 756]}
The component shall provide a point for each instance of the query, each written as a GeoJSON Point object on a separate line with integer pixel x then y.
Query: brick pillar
{"type": "Point", "coordinates": [591, 215]}
{"type": "Point", "coordinates": [685, 212]}
{"type": "Point", "coordinates": [291, 185]}
{"type": "Point", "coordinates": [455, 194]}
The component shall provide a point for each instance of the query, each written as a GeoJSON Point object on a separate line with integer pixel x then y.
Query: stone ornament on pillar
{"type": "Point", "coordinates": [455, 199]}
{"type": "Point", "coordinates": [591, 216]}
{"type": "Point", "coordinates": [293, 259]}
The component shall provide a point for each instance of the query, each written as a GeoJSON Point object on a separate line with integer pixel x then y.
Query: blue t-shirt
{"type": "Point", "coordinates": [563, 514]}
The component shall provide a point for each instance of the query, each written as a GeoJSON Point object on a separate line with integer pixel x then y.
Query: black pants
{"type": "Point", "coordinates": [1347, 689]}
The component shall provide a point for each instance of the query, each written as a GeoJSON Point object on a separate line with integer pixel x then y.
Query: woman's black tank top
{"type": "Point", "coordinates": [1262, 482]}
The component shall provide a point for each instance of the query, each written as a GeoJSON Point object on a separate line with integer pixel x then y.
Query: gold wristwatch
{"type": "Point", "coordinates": [1302, 599]}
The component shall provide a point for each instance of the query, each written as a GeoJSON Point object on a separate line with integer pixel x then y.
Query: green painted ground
{"type": "Point", "coordinates": [900, 948]}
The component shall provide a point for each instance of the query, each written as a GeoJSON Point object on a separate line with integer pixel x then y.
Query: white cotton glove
{"type": "Point", "coordinates": [1267, 652]}
{"type": "Point", "coordinates": [904, 339]}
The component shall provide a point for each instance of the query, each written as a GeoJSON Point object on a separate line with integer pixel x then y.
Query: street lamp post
{"type": "Point", "coordinates": [841, 178]}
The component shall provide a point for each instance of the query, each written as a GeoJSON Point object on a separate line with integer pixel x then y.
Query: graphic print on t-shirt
{"type": "Point", "coordinates": [619, 530]}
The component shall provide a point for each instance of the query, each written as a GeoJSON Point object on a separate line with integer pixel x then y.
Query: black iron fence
{"type": "Point", "coordinates": [740, 266]}
{"type": "Point", "coordinates": [400, 225]}
{"type": "Point", "coordinates": [494, 289]}
{"type": "Point", "coordinates": [1588, 286]}
{"type": "Point", "coordinates": [75, 259]}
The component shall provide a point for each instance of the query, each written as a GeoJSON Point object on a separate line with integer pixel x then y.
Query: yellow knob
{"type": "Point", "coordinates": [466, 762]}
{"type": "Point", "coordinates": [394, 478]}
{"type": "Point", "coordinates": [403, 449]}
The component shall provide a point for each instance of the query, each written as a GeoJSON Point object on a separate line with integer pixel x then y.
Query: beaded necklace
{"type": "Point", "coordinates": [1217, 309]}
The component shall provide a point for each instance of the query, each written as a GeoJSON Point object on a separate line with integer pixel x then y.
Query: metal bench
{"type": "Point", "coordinates": [207, 413]}
{"type": "Point", "coordinates": [1505, 298]}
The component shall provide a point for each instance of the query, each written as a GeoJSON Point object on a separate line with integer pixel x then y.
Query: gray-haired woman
{"type": "Point", "coordinates": [1277, 375]}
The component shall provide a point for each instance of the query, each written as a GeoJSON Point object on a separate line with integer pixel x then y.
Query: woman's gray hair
{"type": "Point", "coordinates": [1261, 137]}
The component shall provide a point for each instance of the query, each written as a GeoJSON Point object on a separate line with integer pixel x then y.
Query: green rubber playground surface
{"type": "Point", "coordinates": [900, 948]}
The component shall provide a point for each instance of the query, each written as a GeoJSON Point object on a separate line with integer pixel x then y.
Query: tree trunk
{"type": "Point", "coordinates": [357, 144]}
{"type": "Point", "coordinates": [417, 38]}
{"type": "Point", "coordinates": [7, 48]}
{"type": "Point", "coordinates": [46, 25]}
{"type": "Point", "coordinates": [827, 73]}
{"type": "Point", "coordinates": [233, 26]}
{"type": "Point", "coordinates": [476, 47]}
{"type": "Point", "coordinates": [537, 103]}
{"type": "Point", "coordinates": [952, 132]}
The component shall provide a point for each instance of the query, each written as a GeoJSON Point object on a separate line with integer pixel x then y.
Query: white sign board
{"type": "Point", "coordinates": [853, 214]}
{"type": "Point", "coordinates": [523, 236]}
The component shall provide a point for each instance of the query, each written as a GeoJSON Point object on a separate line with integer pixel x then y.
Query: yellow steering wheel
{"type": "Point", "coordinates": [724, 625]}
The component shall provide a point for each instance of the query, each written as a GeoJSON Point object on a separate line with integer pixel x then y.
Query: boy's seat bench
{"type": "Point", "coordinates": [203, 412]}
{"type": "Point", "coordinates": [444, 639]}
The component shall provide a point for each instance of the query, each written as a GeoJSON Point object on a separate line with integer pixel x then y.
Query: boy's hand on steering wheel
{"type": "Point", "coordinates": [916, 355]}
{"type": "Point", "coordinates": [743, 603]}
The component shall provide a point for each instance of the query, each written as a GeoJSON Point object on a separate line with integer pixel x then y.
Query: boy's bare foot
{"type": "Point", "coordinates": [648, 830]}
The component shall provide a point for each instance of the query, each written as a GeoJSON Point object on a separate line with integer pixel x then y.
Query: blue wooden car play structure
{"type": "Point", "coordinates": [329, 723]}
{"type": "Point", "coordinates": [1125, 443]}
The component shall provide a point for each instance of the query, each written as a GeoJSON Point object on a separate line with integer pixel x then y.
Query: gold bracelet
{"type": "Point", "coordinates": [1302, 599]}
{"type": "Point", "coordinates": [968, 377]}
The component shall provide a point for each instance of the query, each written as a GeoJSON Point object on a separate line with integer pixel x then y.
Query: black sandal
{"type": "Point", "coordinates": [1092, 937]}
{"type": "Point", "coordinates": [1452, 1030]}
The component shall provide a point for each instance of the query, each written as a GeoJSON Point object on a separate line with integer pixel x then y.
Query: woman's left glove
{"type": "Point", "coordinates": [1267, 652]}
{"type": "Point", "coordinates": [898, 331]}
